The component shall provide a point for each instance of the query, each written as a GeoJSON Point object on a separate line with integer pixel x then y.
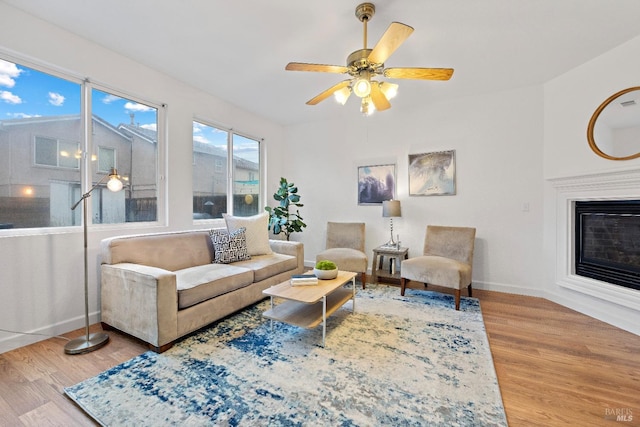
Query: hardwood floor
{"type": "Point", "coordinates": [555, 367]}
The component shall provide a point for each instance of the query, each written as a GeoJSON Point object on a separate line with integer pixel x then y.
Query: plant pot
{"type": "Point", "coordinates": [325, 274]}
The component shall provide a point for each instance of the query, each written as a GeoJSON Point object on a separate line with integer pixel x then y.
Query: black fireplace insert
{"type": "Point", "coordinates": [607, 241]}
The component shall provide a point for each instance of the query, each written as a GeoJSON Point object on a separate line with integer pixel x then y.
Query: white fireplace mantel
{"type": "Point", "coordinates": [614, 185]}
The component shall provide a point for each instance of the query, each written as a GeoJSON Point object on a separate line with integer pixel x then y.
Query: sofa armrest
{"type": "Point", "coordinates": [141, 301]}
{"type": "Point", "coordinates": [287, 247]}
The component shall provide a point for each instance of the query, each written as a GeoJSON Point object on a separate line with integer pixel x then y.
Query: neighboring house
{"type": "Point", "coordinates": [40, 170]}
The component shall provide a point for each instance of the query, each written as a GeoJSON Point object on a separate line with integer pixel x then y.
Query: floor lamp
{"type": "Point", "coordinates": [90, 342]}
{"type": "Point", "coordinates": [390, 209]}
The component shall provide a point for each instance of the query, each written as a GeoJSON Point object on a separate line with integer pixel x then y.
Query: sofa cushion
{"type": "Point", "coordinates": [200, 283]}
{"type": "Point", "coordinates": [229, 247]}
{"type": "Point", "coordinates": [257, 231]}
{"type": "Point", "coordinates": [170, 251]}
{"type": "Point", "coordinates": [265, 266]}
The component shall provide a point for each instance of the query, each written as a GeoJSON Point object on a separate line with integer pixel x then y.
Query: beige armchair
{"type": "Point", "coordinates": [345, 247]}
{"type": "Point", "coordinates": [447, 260]}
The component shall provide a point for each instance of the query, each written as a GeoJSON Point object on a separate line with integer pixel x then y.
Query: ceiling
{"type": "Point", "coordinates": [237, 50]}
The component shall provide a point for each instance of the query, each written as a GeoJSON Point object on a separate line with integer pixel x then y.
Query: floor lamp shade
{"type": "Point", "coordinates": [90, 342]}
{"type": "Point", "coordinates": [390, 209]}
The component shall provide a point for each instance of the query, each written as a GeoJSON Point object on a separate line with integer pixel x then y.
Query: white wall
{"type": "Point", "coordinates": [497, 138]}
{"type": "Point", "coordinates": [506, 145]}
{"type": "Point", "coordinates": [41, 276]}
{"type": "Point", "coordinates": [569, 102]}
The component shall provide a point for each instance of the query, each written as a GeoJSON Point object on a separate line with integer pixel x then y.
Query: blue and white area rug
{"type": "Point", "coordinates": [398, 361]}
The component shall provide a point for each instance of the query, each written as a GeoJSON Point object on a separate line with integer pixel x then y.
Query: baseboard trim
{"type": "Point", "coordinates": [508, 288]}
{"type": "Point", "coordinates": [18, 340]}
{"type": "Point", "coordinates": [611, 317]}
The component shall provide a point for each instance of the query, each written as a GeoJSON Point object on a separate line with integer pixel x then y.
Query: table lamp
{"type": "Point", "coordinates": [390, 209]}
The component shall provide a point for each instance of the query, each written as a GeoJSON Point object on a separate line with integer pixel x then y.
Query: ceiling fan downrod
{"type": "Point", "coordinates": [364, 12]}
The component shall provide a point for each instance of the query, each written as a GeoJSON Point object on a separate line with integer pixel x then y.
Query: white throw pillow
{"type": "Point", "coordinates": [257, 231]}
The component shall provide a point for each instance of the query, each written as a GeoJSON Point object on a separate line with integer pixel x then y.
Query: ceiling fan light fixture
{"type": "Point", "coordinates": [365, 65]}
{"type": "Point", "coordinates": [389, 90]}
{"type": "Point", "coordinates": [362, 85]}
{"type": "Point", "coordinates": [366, 106]}
{"type": "Point", "coordinates": [342, 95]}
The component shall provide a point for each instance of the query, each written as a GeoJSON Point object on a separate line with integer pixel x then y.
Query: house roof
{"type": "Point", "coordinates": [237, 50]}
{"type": "Point", "coordinates": [30, 121]}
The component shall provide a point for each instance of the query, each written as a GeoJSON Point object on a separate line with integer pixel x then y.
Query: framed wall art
{"type": "Point", "coordinates": [376, 183]}
{"type": "Point", "coordinates": [432, 174]}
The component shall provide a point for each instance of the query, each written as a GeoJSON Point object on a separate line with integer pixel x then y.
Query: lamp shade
{"type": "Point", "coordinates": [391, 208]}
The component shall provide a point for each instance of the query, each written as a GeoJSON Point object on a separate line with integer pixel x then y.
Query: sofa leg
{"type": "Point", "coordinates": [457, 299]}
{"type": "Point", "coordinates": [162, 348]}
{"type": "Point", "coordinates": [403, 285]}
{"type": "Point", "coordinates": [363, 279]}
{"type": "Point", "coordinates": [469, 289]}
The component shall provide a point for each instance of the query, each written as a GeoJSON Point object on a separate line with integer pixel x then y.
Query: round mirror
{"type": "Point", "coordinates": [614, 128]}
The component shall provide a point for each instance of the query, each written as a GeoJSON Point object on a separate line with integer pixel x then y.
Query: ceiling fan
{"type": "Point", "coordinates": [364, 65]}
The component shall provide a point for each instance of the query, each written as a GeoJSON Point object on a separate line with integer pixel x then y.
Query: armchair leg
{"type": "Point", "coordinates": [363, 279]}
{"type": "Point", "coordinates": [469, 289]}
{"type": "Point", "coordinates": [457, 299]}
{"type": "Point", "coordinates": [403, 285]}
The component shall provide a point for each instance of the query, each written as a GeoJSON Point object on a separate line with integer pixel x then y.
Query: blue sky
{"type": "Point", "coordinates": [25, 92]}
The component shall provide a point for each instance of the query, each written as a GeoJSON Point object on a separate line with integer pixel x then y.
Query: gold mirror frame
{"type": "Point", "coordinates": [592, 123]}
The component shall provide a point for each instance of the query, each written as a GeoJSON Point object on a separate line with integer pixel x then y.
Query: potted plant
{"type": "Point", "coordinates": [281, 220]}
{"type": "Point", "coordinates": [325, 269]}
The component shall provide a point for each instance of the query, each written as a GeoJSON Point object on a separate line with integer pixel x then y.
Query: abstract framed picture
{"type": "Point", "coordinates": [432, 174]}
{"type": "Point", "coordinates": [376, 184]}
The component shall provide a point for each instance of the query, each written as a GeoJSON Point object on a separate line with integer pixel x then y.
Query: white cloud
{"type": "Point", "coordinates": [151, 126]}
{"type": "Point", "coordinates": [200, 138]}
{"type": "Point", "coordinates": [134, 106]}
{"type": "Point", "coordinates": [56, 99]}
{"type": "Point", "coordinates": [110, 98]}
{"type": "Point", "coordinates": [8, 72]}
{"type": "Point", "coordinates": [10, 98]}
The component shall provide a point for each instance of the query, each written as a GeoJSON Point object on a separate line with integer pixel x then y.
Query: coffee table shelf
{"type": "Point", "coordinates": [309, 306]}
{"type": "Point", "coordinates": [308, 315]}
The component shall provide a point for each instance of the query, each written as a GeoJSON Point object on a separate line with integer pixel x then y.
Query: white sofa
{"type": "Point", "coordinates": [161, 287]}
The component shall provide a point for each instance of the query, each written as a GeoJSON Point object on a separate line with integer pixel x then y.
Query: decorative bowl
{"type": "Point", "coordinates": [326, 274]}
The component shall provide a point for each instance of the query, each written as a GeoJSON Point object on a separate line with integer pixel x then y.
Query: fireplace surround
{"type": "Point", "coordinates": [616, 185]}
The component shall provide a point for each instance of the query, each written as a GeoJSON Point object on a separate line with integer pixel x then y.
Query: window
{"type": "Point", "coordinates": [125, 134]}
{"type": "Point", "coordinates": [55, 153]}
{"type": "Point", "coordinates": [42, 150]}
{"type": "Point", "coordinates": [40, 134]}
{"type": "Point", "coordinates": [246, 168]}
{"type": "Point", "coordinates": [219, 182]}
{"type": "Point", "coordinates": [106, 159]}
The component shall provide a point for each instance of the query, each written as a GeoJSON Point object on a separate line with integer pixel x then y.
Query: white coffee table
{"type": "Point", "coordinates": [309, 306]}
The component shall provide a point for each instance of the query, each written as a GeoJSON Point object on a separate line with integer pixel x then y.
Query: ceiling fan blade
{"type": "Point", "coordinates": [395, 35]}
{"type": "Point", "coordinates": [320, 68]}
{"type": "Point", "coordinates": [419, 73]}
{"type": "Point", "coordinates": [377, 97]}
{"type": "Point", "coordinates": [327, 93]}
